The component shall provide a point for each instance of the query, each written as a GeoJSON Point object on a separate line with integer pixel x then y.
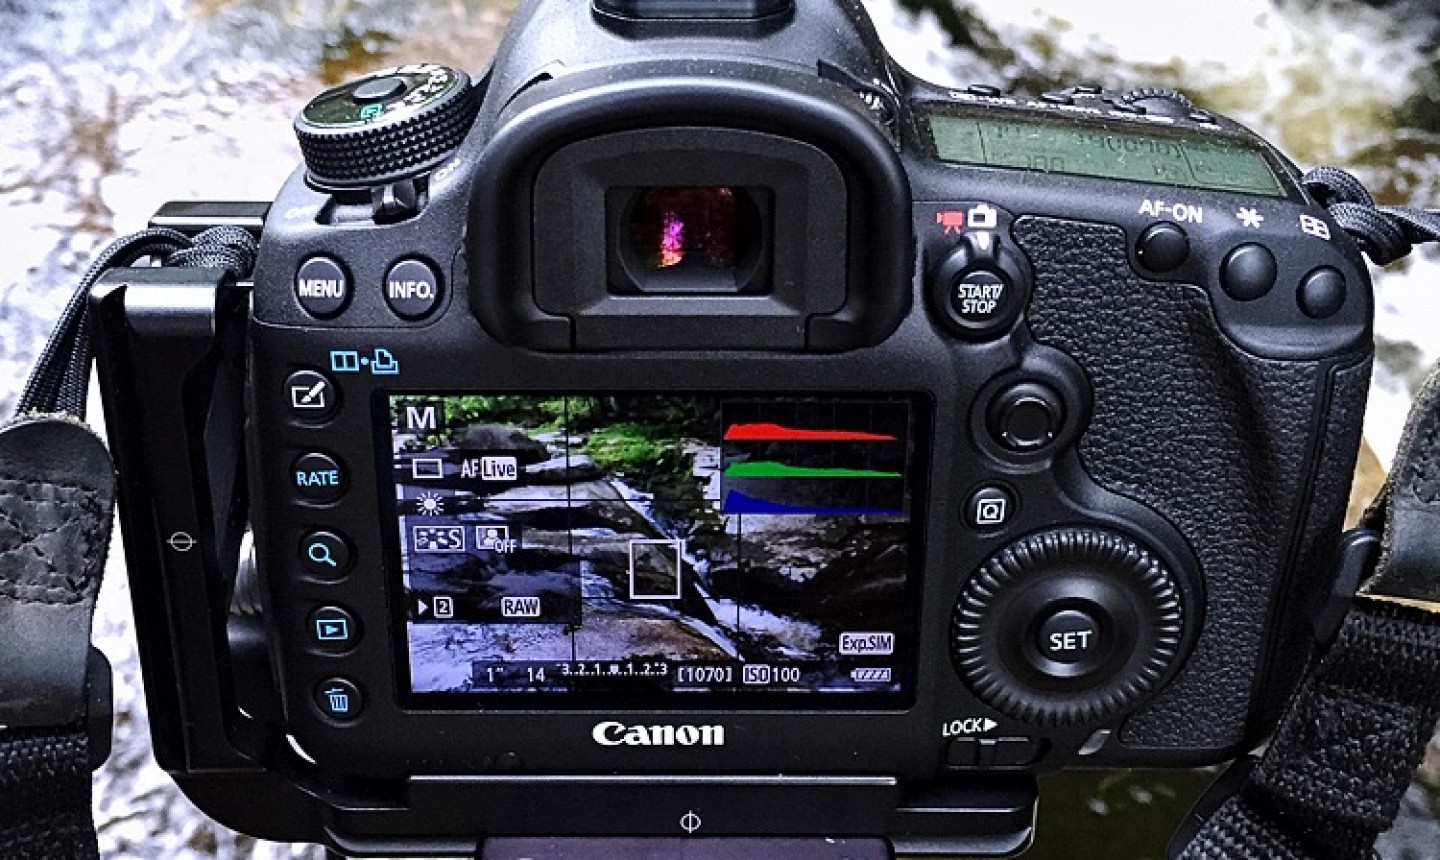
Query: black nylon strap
{"type": "Point", "coordinates": [45, 795]}
{"type": "Point", "coordinates": [1335, 772]}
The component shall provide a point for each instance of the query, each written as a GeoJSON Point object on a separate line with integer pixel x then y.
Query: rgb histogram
{"type": "Point", "coordinates": [814, 458]}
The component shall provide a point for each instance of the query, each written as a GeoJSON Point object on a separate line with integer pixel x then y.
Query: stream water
{"type": "Point", "coordinates": [108, 109]}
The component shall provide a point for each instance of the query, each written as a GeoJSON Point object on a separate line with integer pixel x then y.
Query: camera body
{"type": "Point", "coordinates": [701, 426]}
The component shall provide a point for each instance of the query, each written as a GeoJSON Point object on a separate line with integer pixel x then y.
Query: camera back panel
{"type": "Point", "coordinates": [704, 415]}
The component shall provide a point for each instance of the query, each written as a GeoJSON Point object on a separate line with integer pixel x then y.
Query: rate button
{"type": "Point", "coordinates": [318, 477]}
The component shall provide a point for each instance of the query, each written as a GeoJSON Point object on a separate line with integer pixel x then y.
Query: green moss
{"type": "Point", "coordinates": [646, 458]}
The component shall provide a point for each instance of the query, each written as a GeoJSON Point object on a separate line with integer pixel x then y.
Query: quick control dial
{"type": "Point", "coordinates": [1069, 626]}
{"type": "Point", "coordinates": [389, 125]}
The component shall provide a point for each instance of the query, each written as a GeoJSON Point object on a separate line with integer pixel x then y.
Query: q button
{"type": "Point", "coordinates": [325, 554]}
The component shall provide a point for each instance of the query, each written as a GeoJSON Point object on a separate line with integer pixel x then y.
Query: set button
{"type": "Point", "coordinates": [1070, 636]}
{"type": "Point", "coordinates": [318, 477]}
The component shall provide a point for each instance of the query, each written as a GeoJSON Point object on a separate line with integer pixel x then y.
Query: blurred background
{"type": "Point", "coordinates": [109, 109]}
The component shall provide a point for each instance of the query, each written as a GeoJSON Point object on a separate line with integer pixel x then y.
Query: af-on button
{"type": "Point", "coordinates": [1163, 247]}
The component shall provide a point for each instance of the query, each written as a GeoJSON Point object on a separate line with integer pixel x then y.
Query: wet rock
{"type": "Point", "coordinates": [562, 470]}
{"type": "Point", "coordinates": [495, 437]}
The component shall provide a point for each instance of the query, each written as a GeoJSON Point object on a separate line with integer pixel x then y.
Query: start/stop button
{"type": "Point", "coordinates": [981, 285]}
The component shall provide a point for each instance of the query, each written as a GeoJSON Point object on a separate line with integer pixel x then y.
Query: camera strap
{"type": "Point", "coordinates": [1329, 783]}
{"type": "Point", "coordinates": [57, 496]}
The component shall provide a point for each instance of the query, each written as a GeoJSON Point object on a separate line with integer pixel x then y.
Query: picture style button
{"type": "Point", "coordinates": [322, 287]}
{"type": "Point", "coordinates": [989, 508]}
{"type": "Point", "coordinates": [332, 628]}
{"type": "Point", "coordinates": [318, 477]}
{"type": "Point", "coordinates": [339, 699]}
{"type": "Point", "coordinates": [312, 396]}
{"type": "Point", "coordinates": [412, 289]}
{"type": "Point", "coordinates": [325, 554]}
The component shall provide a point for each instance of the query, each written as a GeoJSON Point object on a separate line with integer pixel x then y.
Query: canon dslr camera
{"type": "Point", "coordinates": [695, 424]}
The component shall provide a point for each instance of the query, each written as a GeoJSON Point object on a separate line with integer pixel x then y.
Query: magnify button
{"type": "Point", "coordinates": [325, 554]}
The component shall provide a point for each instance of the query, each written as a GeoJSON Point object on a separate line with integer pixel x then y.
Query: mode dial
{"type": "Point", "coordinates": [1069, 626]}
{"type": "Point", "coordinates": [389, 125]}
{"type": "Point", "coordinates": [1157, 100]}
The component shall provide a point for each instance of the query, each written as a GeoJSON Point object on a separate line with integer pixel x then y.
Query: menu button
{"type": "Point", "coordinates": [321, 287]}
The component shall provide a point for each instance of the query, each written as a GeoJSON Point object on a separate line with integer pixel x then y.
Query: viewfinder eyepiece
{"type": "Point", "coordinates": [690, 239]}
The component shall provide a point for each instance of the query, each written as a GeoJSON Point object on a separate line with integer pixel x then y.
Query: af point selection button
{"type": "Point", "coordinates": [318, 477]}
{"type": "Point", "coordinates": [412, 289]}
{"type": "Point", "coordinates": [325, 555]}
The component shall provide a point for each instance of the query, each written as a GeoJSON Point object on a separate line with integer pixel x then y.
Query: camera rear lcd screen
{"type": "Point", "coordinates": [1103, 150]}
{"type": "Point", "coordinates": [687, 547]}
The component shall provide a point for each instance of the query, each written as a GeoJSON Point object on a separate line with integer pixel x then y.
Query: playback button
{"type": "Point", "coordinates": [334, 629]}
{"type": "Point", "coordinates": [311, 396]}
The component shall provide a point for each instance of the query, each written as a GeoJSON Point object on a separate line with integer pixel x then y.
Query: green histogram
{"type": "Point", "coordinates": [771, 469]}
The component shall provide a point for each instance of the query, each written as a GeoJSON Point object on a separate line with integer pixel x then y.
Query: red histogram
{"type": "Point", "coordinates": [766, 432]}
